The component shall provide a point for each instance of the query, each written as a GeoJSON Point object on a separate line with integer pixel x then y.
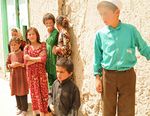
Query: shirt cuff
{"type": "Point", "coordinates": [98, 73]}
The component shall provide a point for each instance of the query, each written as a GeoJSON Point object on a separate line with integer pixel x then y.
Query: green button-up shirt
{"type": "Point", "coordinates": [114, 48]}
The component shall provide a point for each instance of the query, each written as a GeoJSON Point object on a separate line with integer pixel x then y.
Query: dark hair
{"type": "Point", "coordinates": [63, 21]}
{"type": "Point", "coordinates": [36, 32]}
{"type": "Point", "coordinates": [107, 4]}
{"type": "Point", "coordinates": [65, 63]}
{"type": "Point", "coordinates": [15, 39]}
{"type": "Point", "coordinates": [48, 16]}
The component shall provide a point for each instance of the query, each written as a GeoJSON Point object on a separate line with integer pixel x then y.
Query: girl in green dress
{"type": "Point", "coordinates": [51, 41]}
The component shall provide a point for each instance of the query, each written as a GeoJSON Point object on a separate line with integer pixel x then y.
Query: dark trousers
{"type": "Point", "coordinates": [22, 102]}
{"type": "Point", "coordinates": [118, 92]}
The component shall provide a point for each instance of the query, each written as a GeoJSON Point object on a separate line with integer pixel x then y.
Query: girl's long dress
{"type": "Point", "coordinates": [37, 78]}
{"type": "Point", "coordinates": [18, 80]}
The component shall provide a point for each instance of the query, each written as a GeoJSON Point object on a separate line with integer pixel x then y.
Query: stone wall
{"type": "Point", "coordinates": [85, 22]}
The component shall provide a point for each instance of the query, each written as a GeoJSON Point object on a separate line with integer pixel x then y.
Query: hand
{"type": "Point", "coordinates": [27, 57]}
{"type": "Point", "coordinates": [98, 84]}
{"type": "Point", "coordinates": [50, 29]}
{"type": "Point", "coordinates": [15, 64]}
{"type": "Point", "coordinates": [52, 108]}
{"type": "Point", "coordinates": [56, 50]}
{"type": "Point", "coordinates": [29, 63]}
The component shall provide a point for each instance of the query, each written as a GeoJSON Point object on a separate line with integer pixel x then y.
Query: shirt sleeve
{"type": "Point", "coordinates": [76, 102]}
{"type": "Point", "coordinates": [97, 56]}
{"type": "Point", "coordinates": [25, 52]}
{"type": "Point", "coordinates": [142, 46]}
{"type": "Point", "coordinates": [8, 62]}
{"type": "Point", "coordinates": [66, 43]}
{"type": "Point", "coordinates": [43, 53]}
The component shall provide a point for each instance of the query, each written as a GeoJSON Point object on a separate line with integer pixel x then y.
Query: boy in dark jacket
{"type": "Point", "coordinates": [65, 96]}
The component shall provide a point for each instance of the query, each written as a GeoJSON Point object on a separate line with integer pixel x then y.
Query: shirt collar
{"type": "Point", "coordinates": [64, 81]}
{"type": "Point", "coordinates": [117, 28]}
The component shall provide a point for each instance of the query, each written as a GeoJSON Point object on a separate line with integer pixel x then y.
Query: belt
{"type": "Point", "coordinates": [118, 70]}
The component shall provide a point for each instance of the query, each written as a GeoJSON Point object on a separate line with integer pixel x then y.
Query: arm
{"type": "Point", "coordinates": [30, 63]}
{"type": "Point", "coordinates": [8, 62]}
{"type": "Point", "coordinates": [76, 102]}
{"type": "Point", "coordinates": [142, 46]}
{"type": "Point", "coordinates": [97, 63]}
{"type": "Point", "coordinates": [16, 64]}
{"type": "Point", "coordinates": [66, 43]}
{"type": "Point", "coordinates": [51, 99]}
{"type": "Point", "coordinates": [26, 56]}
{"type": "Point", "coordinates": [97, 56]}
{"type": "Point", "coordinates": [40, 58]}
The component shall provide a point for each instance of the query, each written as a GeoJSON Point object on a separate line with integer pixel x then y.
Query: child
{"type": "Point", "coordinates": [63, 49]}
{"type": "Point", "coordinates": [114, 59]}
{"type": "Point", "coordinates": [18, 80]}
{"type": "Point", "coordinates": [15, 32]}
{"type": "Point", "coordinates": [35, 58]}
{"type": "Point", "coordinates": [51, 41]}
{"type": "Point", "coordinates": [65, 94]}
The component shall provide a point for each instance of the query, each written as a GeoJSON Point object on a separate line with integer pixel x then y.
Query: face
{"type": "Point", "coordinates": [109, 16]}
{"type": "Point", "coordinates": [49, 25]}
{"type": "Point", "coordinates": [31, 35]}
{"type": "Point", "coordinates": [14, 46]}
{"type": "Point", "coordinates": [58, 27]}
{"type": "Point", "coordinates": [13, 33]}
{"type": "Point", "coordinates": [62, 73]}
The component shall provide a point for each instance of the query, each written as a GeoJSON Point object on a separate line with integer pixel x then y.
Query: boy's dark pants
{"type": "Point", "coordinates": [22, 102]}
{"type": "Point", "coordinates": [119, 92]}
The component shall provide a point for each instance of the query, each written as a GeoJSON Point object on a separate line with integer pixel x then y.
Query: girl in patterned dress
{"type": "Point", "coordinates": [18, 80]}
{"type": "Point", "coordinates": [35, 58]}
{"type": "Point", "coordinates": [63, 48]}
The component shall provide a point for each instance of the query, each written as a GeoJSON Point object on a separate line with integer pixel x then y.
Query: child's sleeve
{"type": "Point", "coordinates": [55, 37]}
{"type": "Point", "coordinates": [142, 46]}
{"type": "Point", "coordinates": [97, 56]}
{"type": "Point", "coordinates": [43, 53]}
{"type": "Point", "coordinates": [8, 62]}
{"type": "Point", "coordinates": [66, 43]}
{"type": "Point", "coordinates": [25, 52]}
{"type": "Point", "coordinates": [76, 101]}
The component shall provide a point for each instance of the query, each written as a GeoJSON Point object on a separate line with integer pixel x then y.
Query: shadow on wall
{"type": "Point", "coordinates": [78, 63]}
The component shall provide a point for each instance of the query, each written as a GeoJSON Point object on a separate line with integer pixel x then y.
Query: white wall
{"type": "Point", "coordinates": [38, 8]}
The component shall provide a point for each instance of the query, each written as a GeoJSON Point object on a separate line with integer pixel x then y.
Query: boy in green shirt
{"type": "Point", "coordinates": [114, 59]}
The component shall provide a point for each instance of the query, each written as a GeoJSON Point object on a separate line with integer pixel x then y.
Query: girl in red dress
{"type": "Point", "coordinates": [18, 80]}
{"type": "Point", "coordinates": [35, 58]}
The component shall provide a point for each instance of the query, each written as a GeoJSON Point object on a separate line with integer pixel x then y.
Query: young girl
{"type": "Point", "coordinates": [63, 49]}
{"type": "Point", "coordinates": [15, 32]}
{"type": "Point", "coordinates": [35, 58]}
{"type": "Point", "coordinates": [18, 80]}
{"type": "Point", "coordinates": [51, 41]}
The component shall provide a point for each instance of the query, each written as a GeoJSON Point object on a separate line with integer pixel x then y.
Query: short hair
{"type": "Point", "coordinates": [65, 63]}
{"type": "Point", "coordinates": [108, 5]}
{"type": "Point", "coordinates": [48, 16]}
